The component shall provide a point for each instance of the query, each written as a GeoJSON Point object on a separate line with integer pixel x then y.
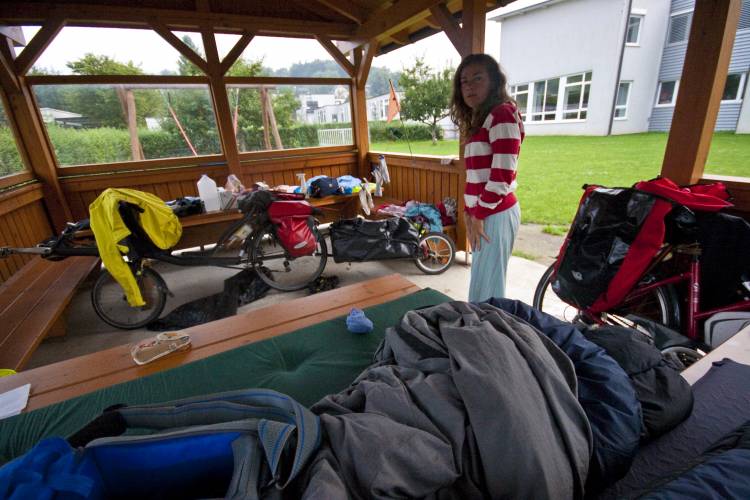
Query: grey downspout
{"type": "Point", "coordinates": [619, 66]}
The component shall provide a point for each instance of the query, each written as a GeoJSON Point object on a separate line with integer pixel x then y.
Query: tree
{"type": "Point", "coordinates": [377, 81]}
{"type": "Point", "coordinates": [184, 66]}
{"type": "Point", "coordinates": [101, 104]}
{"type": "Point", "coordinates": [426, 95]}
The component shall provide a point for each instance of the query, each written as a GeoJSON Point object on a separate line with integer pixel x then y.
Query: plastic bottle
{"type": "Point", "coordinates": [208, 193]}
{"type": "Point", "coordinates": [302, 184]}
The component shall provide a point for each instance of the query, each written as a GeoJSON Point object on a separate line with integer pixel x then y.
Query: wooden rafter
{"type": "Point", "coordinates": [401, 37]}
{"type": "Point", "coordinates": [178, 20]}
{"type": "Point", "coordinates": [41, 41]}
{"type": "Point", "coordinates": [393, 19]}
{"type": "Point", "coordinates": [8, 78]}
{"type": "Point", "coordinates": [337, 55]}
{"type": "Point", "coordinates": [346, 8]}
{"type": "Point", "coordinates": [236, 52]}
{"type": "Point", "coordinates": [212, 53]}
{"type": "Point", "coordinates": [452, 29]}
{"type": "Point", "coordinates": [179, 45]}
{"type": "Point", "coordinates": [431, 22]}
{"type": "Point", "coordinates": [365, 61]}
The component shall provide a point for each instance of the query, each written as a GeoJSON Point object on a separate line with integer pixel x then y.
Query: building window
{"type": "Point", "coordinates": [667, 93]}
{"type": "Point", "coordinates": [623, 96]}
{"type": "Point", "coordinates": [577, 96]}
{"type": "Point", "coordinates": [679, 27]}
{"type": "Point", "coordinates": [744, 16]}
{"type": "Point", "coordinates": [521, 95]}
{"type": "Point", "coordinates": [634, 30]}
{"type": "Point", "coordinates": [545, 100]}
{"type": "Point", "coordinates": [734, 87]}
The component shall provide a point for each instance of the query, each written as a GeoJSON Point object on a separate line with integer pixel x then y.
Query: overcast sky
{"type": "Point", "coordinates": [154, 55]}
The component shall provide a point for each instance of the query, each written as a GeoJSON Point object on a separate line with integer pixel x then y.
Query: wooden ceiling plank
{"type": "Point", "coordinates": [393, 19]}
{"type": "Point", "coordinates": [179, 45]}
{"type": "Point", "coordinates": [38, 44]}
{"type": "Point", "coordinates": [236, 52]}
{"type": "Point", "coordinates": [451, 28]}
{"type": "Point", "coordinates": [346, 8]}
{"type": "Point", "coordinates": [337, 55]}
{"type": "Point", "coordinates": [179, 20]}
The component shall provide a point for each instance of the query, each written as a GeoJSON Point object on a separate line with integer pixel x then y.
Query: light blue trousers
{"type": "Point", "coordinates": [489, 265]}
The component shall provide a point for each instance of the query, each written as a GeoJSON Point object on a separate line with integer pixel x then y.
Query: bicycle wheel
{"type": "Point", "coordinates": [111, 305]}
{"type": "Point", "coordinates": [436, 253]}
{"type": "Point", "coordinates": [278, 269]}
{"type": "Point", "coordinates": [660, 304]}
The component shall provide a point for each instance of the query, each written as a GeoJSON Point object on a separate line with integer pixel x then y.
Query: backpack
{"type": "Point", "coordinates": [324, 186]}
{"type": "Point", "coordinates": [234, 444]}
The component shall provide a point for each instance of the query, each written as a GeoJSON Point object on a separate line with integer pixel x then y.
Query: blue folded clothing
{"type": "Point", "coordinates": [357, 322]}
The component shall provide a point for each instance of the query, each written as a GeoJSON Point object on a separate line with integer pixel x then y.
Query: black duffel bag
{"type": "Point", "coordinates": [359, 240]}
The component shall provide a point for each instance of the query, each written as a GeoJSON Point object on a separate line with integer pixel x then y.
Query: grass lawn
{"type": "Point", "coordinates": [552, 169]}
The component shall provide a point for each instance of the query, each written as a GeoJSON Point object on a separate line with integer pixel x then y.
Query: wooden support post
{"type": "Point", "coordinates": [701, 87]}
{"type": "Point", "coordinates": [272, 121]}
{"type": "Point", "coordinates": [362, 62]}
{"type": "Point", "coordinates": [236, 52]}
{"type": "Point", "coordinates": [35, 147]}
{"type": "Point", "coordinates": [221, 103]}
{"type": "Point", "coordinates": [473, 19]}
{"type": "Point", "coordinates": [337, 55]}
{"type": "Point", "coordinates": [135, 143]}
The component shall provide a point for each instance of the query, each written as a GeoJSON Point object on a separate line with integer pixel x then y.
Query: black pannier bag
{"type": "Point", "coordinates": [359, 240]}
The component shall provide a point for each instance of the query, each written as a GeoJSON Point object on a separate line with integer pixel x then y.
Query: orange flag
{"type": "Point", "coordinates": [393, 106]}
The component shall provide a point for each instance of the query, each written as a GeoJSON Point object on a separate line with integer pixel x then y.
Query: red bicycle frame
{"type": "Point", "coordinates": [692, 277]}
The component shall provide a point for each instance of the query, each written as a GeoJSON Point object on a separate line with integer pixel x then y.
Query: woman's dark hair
{"type": "Point", "coordinates": [467, 119]}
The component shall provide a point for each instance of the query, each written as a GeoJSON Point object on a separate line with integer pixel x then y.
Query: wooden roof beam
{"type": "Point", "coordinates": [363, 59]}
{"type": "Point", "coordinates": [401, 38]}
{"type": "Point", "coordinates": [337, 55]}
{"type": "Point", "coordinates": [179, 45]}
{"type": "Point", "coordinates": [395, 18]}
{"type": "Point", "coordinates": [473, 20]}
{"type": "Point", "coordinates": [178, 20]}
{"type": "Point", "coordinates": [346, 8]}
{"type": "Point", "coordinates": [452, 29]}
{"type": "Point", "coordinates": [236, 52]}
{"type": "Point", "coordinates": [38, 44]}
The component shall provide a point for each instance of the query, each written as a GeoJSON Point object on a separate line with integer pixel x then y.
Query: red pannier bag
{"type": "Point", "coordinates": [615, 235]}
{"type": "Point", "coordinates": [294, 226]}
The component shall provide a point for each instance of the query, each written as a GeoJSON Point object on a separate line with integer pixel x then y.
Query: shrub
{"type": "Point", "coordinates": [382, 131]}
{"type": "Point", "coordinates": [10, 160]}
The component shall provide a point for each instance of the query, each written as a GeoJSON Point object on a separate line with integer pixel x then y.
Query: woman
{"type": "Point", "coordinates": [493, 130]}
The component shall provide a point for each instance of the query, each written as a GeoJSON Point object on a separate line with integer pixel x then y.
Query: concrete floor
{"type": "Point", "coordinates": [87, 333]}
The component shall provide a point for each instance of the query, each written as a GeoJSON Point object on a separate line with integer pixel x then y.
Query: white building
{"type": "Point", "coordinates": [594, 67]}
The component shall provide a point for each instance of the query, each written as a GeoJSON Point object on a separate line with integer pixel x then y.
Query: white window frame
{"type": "Point", "coordinates": [669, 26]}
{"type": "Point", "coordinates": [532, 89]}
{"type": "Point", "coordinates": [627, 100]}
{"type": "Point", "coordinates": [674, 94]}
{"type": "Point", "coordinates": [637, 42]}
{"type": "Point", "coordinates": [514, 92]}
{"type": "Point", "coordinates": [740, 88]}
{"type": "Point", "coordinates": [581, 108]}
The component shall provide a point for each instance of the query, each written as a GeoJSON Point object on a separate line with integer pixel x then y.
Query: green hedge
{"type": "Point", "coordinates": [107, 145]}
{"type": "Point", "coordinates": [396, 131]}
{"type": "Point", "coordinates": [10, 161]}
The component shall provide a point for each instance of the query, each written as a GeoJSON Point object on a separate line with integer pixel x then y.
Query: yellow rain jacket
{"type": "Point", "coordinates": [157, 220]}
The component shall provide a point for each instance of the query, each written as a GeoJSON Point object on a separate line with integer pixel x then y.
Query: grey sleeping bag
{"type": "Point", "coordinates": [464, 401]}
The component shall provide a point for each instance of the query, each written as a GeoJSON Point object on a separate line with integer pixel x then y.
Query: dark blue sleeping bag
{"type": "Point", "coordinates": [604, 390]}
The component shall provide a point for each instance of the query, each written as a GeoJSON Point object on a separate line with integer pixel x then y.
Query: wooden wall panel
{"type": "Point", "coordinates": [23, 223]}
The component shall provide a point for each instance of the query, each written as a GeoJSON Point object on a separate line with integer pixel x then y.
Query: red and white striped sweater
{"type": "Point", "coordinates": [491, 158]}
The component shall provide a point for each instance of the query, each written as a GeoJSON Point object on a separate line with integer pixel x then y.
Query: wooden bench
{"type": "Point", "coordinates": [66, 379]}
{"type": "Point", "coordinates": [33, 302]}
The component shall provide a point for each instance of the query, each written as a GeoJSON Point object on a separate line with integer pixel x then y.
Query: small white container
{"type": "Point", "coordinates": [209, 193]}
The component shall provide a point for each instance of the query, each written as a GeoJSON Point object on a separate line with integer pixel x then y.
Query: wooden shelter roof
{"type": "Point", "coordinates": [391, 24]}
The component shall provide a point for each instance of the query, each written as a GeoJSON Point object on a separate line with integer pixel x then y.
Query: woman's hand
{"type": "Point", "coordinates": [475, 232]}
